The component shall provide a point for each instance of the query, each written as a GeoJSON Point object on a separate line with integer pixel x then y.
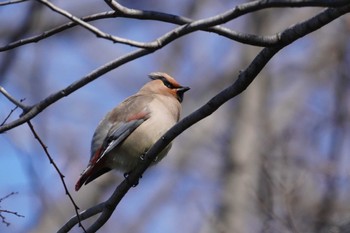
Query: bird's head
{"type": "Point", "coordinates": [163, 83]}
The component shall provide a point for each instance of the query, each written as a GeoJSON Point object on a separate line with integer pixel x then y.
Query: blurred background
{"type": "Point", "coordinates": [274, 159]}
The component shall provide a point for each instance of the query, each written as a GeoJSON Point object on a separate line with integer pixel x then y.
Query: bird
{"type": "Point", "coordinates": [129, 130]}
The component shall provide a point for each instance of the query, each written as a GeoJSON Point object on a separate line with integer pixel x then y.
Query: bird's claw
{"type": "Point", "coordinates": [142, 157]}
{"type": "Point", "coordinates": [126, 176]}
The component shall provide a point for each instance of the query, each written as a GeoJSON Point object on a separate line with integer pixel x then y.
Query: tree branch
{"type": "Point", "coordinates": [2, 217]}
{"type": "Point", "coordinates": [13, 100]}
{"type": "Point", "coordinates": [158, 43]}
{"type": "Point", "coordinates": [76, 208]}
{"type": "Point", "coordinates": [92, 28]}
{"type": "Point", "coordinates": [11, 2]}
{"type": "Point", "coordinates": [46, 34]}
{"type": "Point", "coordinates": [121, 11]}
{"type": "Point", "coordinates": [245, 78]}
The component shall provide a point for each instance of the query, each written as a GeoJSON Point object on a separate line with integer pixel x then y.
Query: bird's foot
{"type": "Point", "coordinates": [143, 157]}
{"type": "Point", "coordinates": [126, 176]}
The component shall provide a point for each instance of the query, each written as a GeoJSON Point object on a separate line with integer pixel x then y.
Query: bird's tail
{"type": "Point", "coordinates": [83, 178]}
{"type": "Point", "coordinates": [89, 174]}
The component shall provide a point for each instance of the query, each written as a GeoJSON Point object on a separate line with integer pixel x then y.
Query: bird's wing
{"type": "Point", "coordinates": [114, 138]}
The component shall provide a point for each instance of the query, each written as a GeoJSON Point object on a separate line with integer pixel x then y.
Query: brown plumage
{"type": "Point", "coordinates": [131, 128]}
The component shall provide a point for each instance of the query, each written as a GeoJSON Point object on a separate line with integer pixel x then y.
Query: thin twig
{"type": "Point", "coordinates": [9, 115]}
{"type": "Point", "coordinates": [53, 31]}
{"type": "Point", "coordinates": [76, 208]}
{"type": "Point", "coordinates": [12, 2]}
{"type": "Point", "coordinates": [12, 111]}
{"type": "Point", "coordinates": [7, 196]}
{"type": "Point", "coordinates": [3, 219]}
{"type": "Point", "coordinates": [13, 100]}
{"type": "Point", "coordinates": [91, 28]}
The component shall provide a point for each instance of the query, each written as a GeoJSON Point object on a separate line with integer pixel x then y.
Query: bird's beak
{"type": "Point", "coordinates": [183, 89]}
{"type": "Point", "coordinates": [180, 92]}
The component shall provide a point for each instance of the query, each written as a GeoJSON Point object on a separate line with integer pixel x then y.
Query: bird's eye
{"type": "Point", "coordinates": [168, 85]}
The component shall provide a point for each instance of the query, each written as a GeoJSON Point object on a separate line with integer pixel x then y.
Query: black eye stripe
{"type": "Point", "coordinates": [167, 83]}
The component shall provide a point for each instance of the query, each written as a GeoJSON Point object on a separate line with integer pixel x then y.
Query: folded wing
{"type": "Point", "coordinates": [114, 138]}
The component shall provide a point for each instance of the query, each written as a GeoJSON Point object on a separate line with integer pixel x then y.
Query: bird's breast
{"type": "Point", "coordinates": [149, 132]}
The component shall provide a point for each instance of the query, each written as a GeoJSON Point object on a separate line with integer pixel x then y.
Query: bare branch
{"type": "Point", "coordinates": [76, 208]}
{"type": "Point", "coordinates": [8, 116]}
{"type": "Point", "coordinates": [92, 28]}
{"type": "Point", "coordinates": [107, 207]}
{"type": "Point", "coordinates": [11, 2]}
{"type": "Point", "coordinates": [121, 11]}
{"type": "Point", "coordinates": [12, 111]}
{"type": "Point", "coordinates": [160, 42]}
{"type": "Point", "coordinates": [3, 219]}
{"type": "Point", "coordinates": [251, 6]}
{"type": "Point", "coordinates": [83, 215]}
{"type": "Point", "coordinates": [13, 100]}
{"type": "Point", "coordinates": [39, 107]}
{"type": "Point", "coordinates": [7, 196]}
{"type": "Point", "coordinates": [46, 34]}
{"type": "Point", "coordinates": [245, 78]}
{"type": "Point", "coordinates": [263, 41]}
{"type": "Point", "coordinates": [207, 24]}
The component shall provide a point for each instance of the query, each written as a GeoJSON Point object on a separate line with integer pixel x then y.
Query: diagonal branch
{"type": "Point", "coordinates": [11, 2]}
{"type": "Point", "coordinates": [239, 10]}
{"type": "Point", "coordinates": [245, 78]}
{"type": "Point", "coordinates": [251, 39]}
{"type": "Point", "coordinates": [121, 11]}
{"type": "Point", "coordinates": [15, 102]}
{"type": "Point", "coordinates": [91, 28]}
{"type": "Point", "coordinates": [39, 107]}
{"type": "Point", "coordinates": [53, 31]}
{"type": "Point", "coordinates": [162, 41]}
{"type": "Point", "coordinates": [12, 99]}
{"type": "Point", "coordinates": [76, 208]}
{"type": "Point", "coordinates": [8, 116]}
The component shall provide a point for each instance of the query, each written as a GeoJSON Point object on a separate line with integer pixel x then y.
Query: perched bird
{"type": "Point", "coordinates": [130, 129]}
